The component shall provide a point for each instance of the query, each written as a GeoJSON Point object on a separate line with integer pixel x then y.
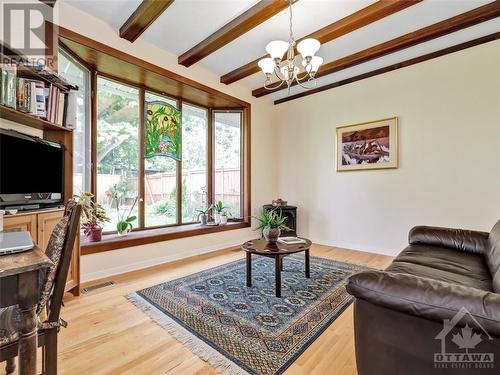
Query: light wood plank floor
{"type": "Point", "coordinates": [108, 335]}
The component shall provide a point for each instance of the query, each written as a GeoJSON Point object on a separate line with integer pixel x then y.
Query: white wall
{"type": "Point", "coordinates": [449, 142]}
{"type": "Point", "coordinates": [264, 184]}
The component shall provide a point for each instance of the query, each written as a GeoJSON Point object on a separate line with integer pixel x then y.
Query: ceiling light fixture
{"type": "Point", "coordinates": [289, 70]}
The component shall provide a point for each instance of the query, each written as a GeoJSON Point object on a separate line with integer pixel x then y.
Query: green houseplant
{"type": "Point", "coordinates": [124, 225]}
{"type": "Point", "coordinates": [93, 217]}
{"type": "Point", "coordinates": [271, 222]}
{"type": "Point", "coordinates": [219, 210]}
{"type": "Point", "coordinates": [203, 215]}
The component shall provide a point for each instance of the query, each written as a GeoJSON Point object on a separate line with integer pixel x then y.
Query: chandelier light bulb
{"type": "Point", "coordinates": [308, 47]}
{"type": "Point", "coordinates": [267, 65]}
{"type": "Point", "coordinates": [277, 49]}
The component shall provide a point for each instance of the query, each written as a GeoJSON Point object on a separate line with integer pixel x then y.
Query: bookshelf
{"type": "Point", "coordinates": [45, 220]}
{"type": "Point", "coordinates": [26, 119]}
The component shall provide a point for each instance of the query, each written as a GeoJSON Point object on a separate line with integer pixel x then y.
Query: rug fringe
{"type": "Point", "coordinates": [194, 344]}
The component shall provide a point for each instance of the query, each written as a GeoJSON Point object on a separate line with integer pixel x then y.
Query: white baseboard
{"type": "Point", "coordinates": [360, 247]}
{"type": "Point", "coordinates": [172, 256]}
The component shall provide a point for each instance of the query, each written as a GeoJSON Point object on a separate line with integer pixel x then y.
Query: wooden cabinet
{"type": "Point", "coordinates": [41, 224]}
{"type": "Point", "coordinates": [22, 222]}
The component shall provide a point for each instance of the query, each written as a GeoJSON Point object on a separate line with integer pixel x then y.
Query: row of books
{"type": "Point", "coordinates": [37, 98]}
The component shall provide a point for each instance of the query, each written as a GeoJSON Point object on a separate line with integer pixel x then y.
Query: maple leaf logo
{"type": "Point", "coordinates": [467, 339]}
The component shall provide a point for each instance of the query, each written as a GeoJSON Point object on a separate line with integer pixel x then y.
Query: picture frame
{"type": "Point", "coordinates": [367, 145]}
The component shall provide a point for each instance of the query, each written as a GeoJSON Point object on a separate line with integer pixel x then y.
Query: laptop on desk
{"type": "Point", "coordinates": [15, 242]}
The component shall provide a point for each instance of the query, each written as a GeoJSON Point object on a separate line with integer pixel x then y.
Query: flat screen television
{"type": "Point", "coordinates": [31, 172]}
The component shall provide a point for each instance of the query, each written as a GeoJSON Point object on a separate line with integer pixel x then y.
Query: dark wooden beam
{"type": "Point", "coordinates": [253, 17]}
{"type": "Point", "coordinates": [390, 68]}
{"type": "Point", "coordinates": [145, 14]}
{"type": "Point", "coordinates": [50, 3]}
{"type": "Point", "coordinates": [450, 25]}
{"type": "Point", "coordinates": [363, 17]}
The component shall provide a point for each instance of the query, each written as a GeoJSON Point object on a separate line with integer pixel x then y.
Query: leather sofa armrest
{"type": "Point", "coordinates": [427, 298]}
{"type": "Point", "coordinates": [459, 239]}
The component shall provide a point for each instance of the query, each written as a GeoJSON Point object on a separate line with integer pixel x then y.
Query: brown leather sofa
{"type": "Point", "coordinates": [414, 317]}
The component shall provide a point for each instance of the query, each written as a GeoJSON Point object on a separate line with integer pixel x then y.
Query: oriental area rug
{"type": "Point", "coordinates": [241, 330]}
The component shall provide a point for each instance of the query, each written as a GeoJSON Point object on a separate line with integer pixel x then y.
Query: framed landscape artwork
{"type": "Point", "coordinates": [368, 145]}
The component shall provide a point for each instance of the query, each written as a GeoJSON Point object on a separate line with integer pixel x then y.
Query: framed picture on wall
{"type": "Point", "coordinates": [368, 145]}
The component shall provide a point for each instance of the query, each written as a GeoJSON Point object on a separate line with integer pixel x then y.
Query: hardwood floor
{"type": "Point", "coordinates": [108, 335]}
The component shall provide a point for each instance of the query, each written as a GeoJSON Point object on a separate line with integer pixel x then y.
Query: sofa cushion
{"type": "Point", "coordinates": [445, 265]}
{"type": "Point", "coordinates": [469, 241]}
{"type": "Point", "coordinates": [492, 254]}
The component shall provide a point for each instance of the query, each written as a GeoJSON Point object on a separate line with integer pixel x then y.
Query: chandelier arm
{"type": "Point", "coordinates": [304, 76]}
{"type": "Point", "coordinates": [301, 83]}
{"type": "Point", "coordinates": [273, 87]}
{"type": "Point", "coordinates": [277, 73]}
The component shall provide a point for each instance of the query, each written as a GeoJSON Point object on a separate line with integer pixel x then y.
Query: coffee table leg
{"type": "Point", "coordinates": [308, 273]}
{"type": "Point", "coordinates": [277, 263]}
{"type": "Point", "coordinates": [249, 269]}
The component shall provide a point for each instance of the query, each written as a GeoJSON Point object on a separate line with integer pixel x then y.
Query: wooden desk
{"type": "Point", "coordinates": [19, 285]}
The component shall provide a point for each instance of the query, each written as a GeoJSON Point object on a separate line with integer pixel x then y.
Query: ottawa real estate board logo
{"type": "Point", "coordinates": [461, 347]}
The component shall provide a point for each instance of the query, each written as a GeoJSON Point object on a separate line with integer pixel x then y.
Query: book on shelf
{"type": "Point", "coordinates": [8, 84]}
{"type": "Point", "coordinates": [38, 98]}
{"type": "Point", "coordinates": [31, 97]}
{"type": "Point", "coordinates": [291, 240]}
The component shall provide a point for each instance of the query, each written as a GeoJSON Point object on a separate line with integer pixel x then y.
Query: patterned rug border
{"type": "Point", "coordinates": [191, 340]}
{"type": "Point", "coordinates": [199, 346]}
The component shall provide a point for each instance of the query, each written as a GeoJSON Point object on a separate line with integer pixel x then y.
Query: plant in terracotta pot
{"type": "Point", "coordinates": [93, 217]}
{"type": "Point", "coordinates": [271, 222]}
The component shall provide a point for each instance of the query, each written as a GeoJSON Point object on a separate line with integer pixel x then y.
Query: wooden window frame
{"type": "Point", "coordinates": [140, 236]}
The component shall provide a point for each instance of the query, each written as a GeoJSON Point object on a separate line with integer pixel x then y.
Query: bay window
{"type": "Point", "coordinates": [159, 190]}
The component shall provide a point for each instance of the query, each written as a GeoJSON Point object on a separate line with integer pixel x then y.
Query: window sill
{"type": "Point", "coordinates": [114, 241]}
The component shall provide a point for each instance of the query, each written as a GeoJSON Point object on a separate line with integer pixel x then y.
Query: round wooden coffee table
{"type": "Point", "coordinates": [277, 251]}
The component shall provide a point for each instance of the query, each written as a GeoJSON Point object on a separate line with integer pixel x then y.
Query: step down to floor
{"type": "Point", "coordinates": [98, 286]}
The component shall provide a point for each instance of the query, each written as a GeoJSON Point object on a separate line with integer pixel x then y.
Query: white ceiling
{"type": "Point", "coordinates": [187, 22]}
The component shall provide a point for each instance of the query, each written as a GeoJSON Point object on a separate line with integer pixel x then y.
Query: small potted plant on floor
{"type": "Point", "coordinates": [219, 209]}
{"type": "Point", "coordinates": [93, 217]}
{"type": "Point", "coordinates": [271, 222]}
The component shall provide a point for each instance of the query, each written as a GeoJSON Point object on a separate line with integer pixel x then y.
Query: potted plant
{"type": "Point", "coordinates": [93, 217]}
{"type": "Point", "coordinates": [203, 215]}
{"type": "Point", "coordinates": [271, 222]}
{"type": "Point", "coordinates": [223, 217]}
{"type": "Point", "coordinates": [219, 209]}
{"type": "Point", "coordinates": [124, 225]}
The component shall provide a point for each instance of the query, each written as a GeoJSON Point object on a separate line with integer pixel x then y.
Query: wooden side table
{"type": "Point", "coordinates": [277, 251]}
{"type": "Point", "coordinates": [19, 285]}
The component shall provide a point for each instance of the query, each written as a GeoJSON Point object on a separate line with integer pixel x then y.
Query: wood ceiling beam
{"type": "Point", "coordinates": [145, 14]}
{"type": "Point", "coordinates": [390, 68]}
{"type": "Point", "coordinates": [253, 17]}
{"type": "Point", "coordinates": [50, 3]}
{"type": "Point", "coordinates": [450, 25]}
{"type": "Point", "coordinates": [357, 20]}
